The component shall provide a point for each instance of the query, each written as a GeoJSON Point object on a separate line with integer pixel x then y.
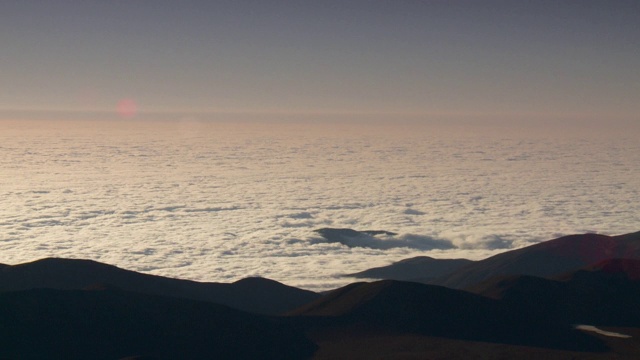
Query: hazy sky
{"type": "Point", "coordinates": [479, 59]}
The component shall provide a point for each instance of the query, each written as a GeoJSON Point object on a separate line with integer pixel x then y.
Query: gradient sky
{"type": "Point", "coordinates": [511, 59]}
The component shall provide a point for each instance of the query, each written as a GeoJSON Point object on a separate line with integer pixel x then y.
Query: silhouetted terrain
{"type": "Point", "coordinates": [361, 345]}
{"type": "Point", "coordinates": [112, 324]}
{"type": "Point", "coordinates": [546, 259]}
{"type": "Point", "coordinates": [604, 294]}
{"type": "Point", "coordinates": [77, 309]}
{"type": "Point", "coordinates": [397, 307]}
{"type": "Point", "coordinates": [629, 268]}
{"type": "Point", "coordinates": [419, 268]}
{"type": "Point", "coordinates": [257, 295]}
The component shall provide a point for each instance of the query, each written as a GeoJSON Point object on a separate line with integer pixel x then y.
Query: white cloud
{"type": "Point", "coordinates": [229, 201]}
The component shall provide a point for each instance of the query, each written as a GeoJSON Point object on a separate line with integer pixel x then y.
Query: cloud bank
{"type": "Point", "coordinates": [229, 201]}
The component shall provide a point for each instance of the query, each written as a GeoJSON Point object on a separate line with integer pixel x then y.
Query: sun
{"type": "Point", "coordinates": [127, 108]}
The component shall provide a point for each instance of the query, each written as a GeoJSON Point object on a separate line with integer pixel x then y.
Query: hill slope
{"type": "Point", "coordinates": [257, 295]}
{"type": "Point", "coordinates": [605, 294]}
{"type": "Point", "coordinates": [112, 324]}
{"type": "Point", "coordinates": [419, 268]}
{"type": "Point", "coordinates": [546, 259]}
{"type": "Point", "coordinates": [395, 307]}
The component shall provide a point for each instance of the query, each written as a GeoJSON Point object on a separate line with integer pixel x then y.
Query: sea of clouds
{"type": "Point", "coordinates": [219, 202]}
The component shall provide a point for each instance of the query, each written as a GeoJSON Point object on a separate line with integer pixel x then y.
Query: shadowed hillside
{"type": "Point", "coordinates": [629, 268]}
{"type": "Point", "coordinates": [255, 294]}
{"type": "Point", "coordinates": [546, 259]}
{"type": "Point", "coordinates": [419, 268]}
{"type": "Point", "coordinates": [112, 324]}
{"type": "Point", "coordinates": [394, 307]}
{"type": "Point", "coordinates": [604, 294]}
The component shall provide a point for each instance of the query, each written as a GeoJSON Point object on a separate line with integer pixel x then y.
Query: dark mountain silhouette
{"type": "Point", "coordinates": [60, 308]}
{"type": "Point", "coordinates": [411, 308]}
{"type": "Point", "coordinates": [114, 324]}
{"type": "Point", "coordinates": [350, 345]}
{"type": "Point", "coordinates": [604, 294]}
{"type": "Point", "coordinates": [497, 286]}
{"type": "Point", "coordinates": [257, 295]}
{"type": "Point", "coordinates": [624, 267]}
{"type": "Point", "coordinates": [546, 259]}
{"type": "Point", "coordinates": [420, 268]}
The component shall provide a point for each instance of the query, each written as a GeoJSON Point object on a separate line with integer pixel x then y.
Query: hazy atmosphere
{"type": "Point", "coordinates": [207, 140]}
{"type": "Point", "coordinates": [541, 61]}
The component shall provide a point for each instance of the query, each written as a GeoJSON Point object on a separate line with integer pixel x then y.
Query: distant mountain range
{"type": "Point", "coordinates": [419, 269]}
{"type": "Point", "coordinates": [73, 274]}
{"type": "Point", "coordinates": [546, 259]}
{"type": "Point", "coordinates": [524, 301]}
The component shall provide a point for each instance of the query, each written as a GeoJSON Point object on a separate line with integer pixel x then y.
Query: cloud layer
{"type": "Point", "coordinates": [218, 202]}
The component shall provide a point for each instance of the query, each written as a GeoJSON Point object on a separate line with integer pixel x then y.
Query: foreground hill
{"type": "Point", "coordinates": [546, 259]}
{"type": "Point", "coordinates": [514, 316]}
{"type": "Point", "coordinates": [419, 268]}
{"type": "Point", "coordinates": [505, 312]}
{"type": "Point", "coordinates": [257, 295]}
{"type": "Point", "coordinates": [366, 346]}
{"type": "Point", "coordinates": [113, 324]}
{"type": "Point", "coordinates": [626, 268]}
{"type": "Point", "coordinates": [604, 294]}
{"type": "Point", "coordinates": [394, 307]}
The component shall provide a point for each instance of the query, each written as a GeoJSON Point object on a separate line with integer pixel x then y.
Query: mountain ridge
{"type": "Point", "coordinates": [419, 268]}
{"type": "Point", "coordinates": [69, 274]}
{"type": "Point", "coordinates": [546, 259]}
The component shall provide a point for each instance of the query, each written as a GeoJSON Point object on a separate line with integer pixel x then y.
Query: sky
{"type": "Point", "coordinates": [479, 61]}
